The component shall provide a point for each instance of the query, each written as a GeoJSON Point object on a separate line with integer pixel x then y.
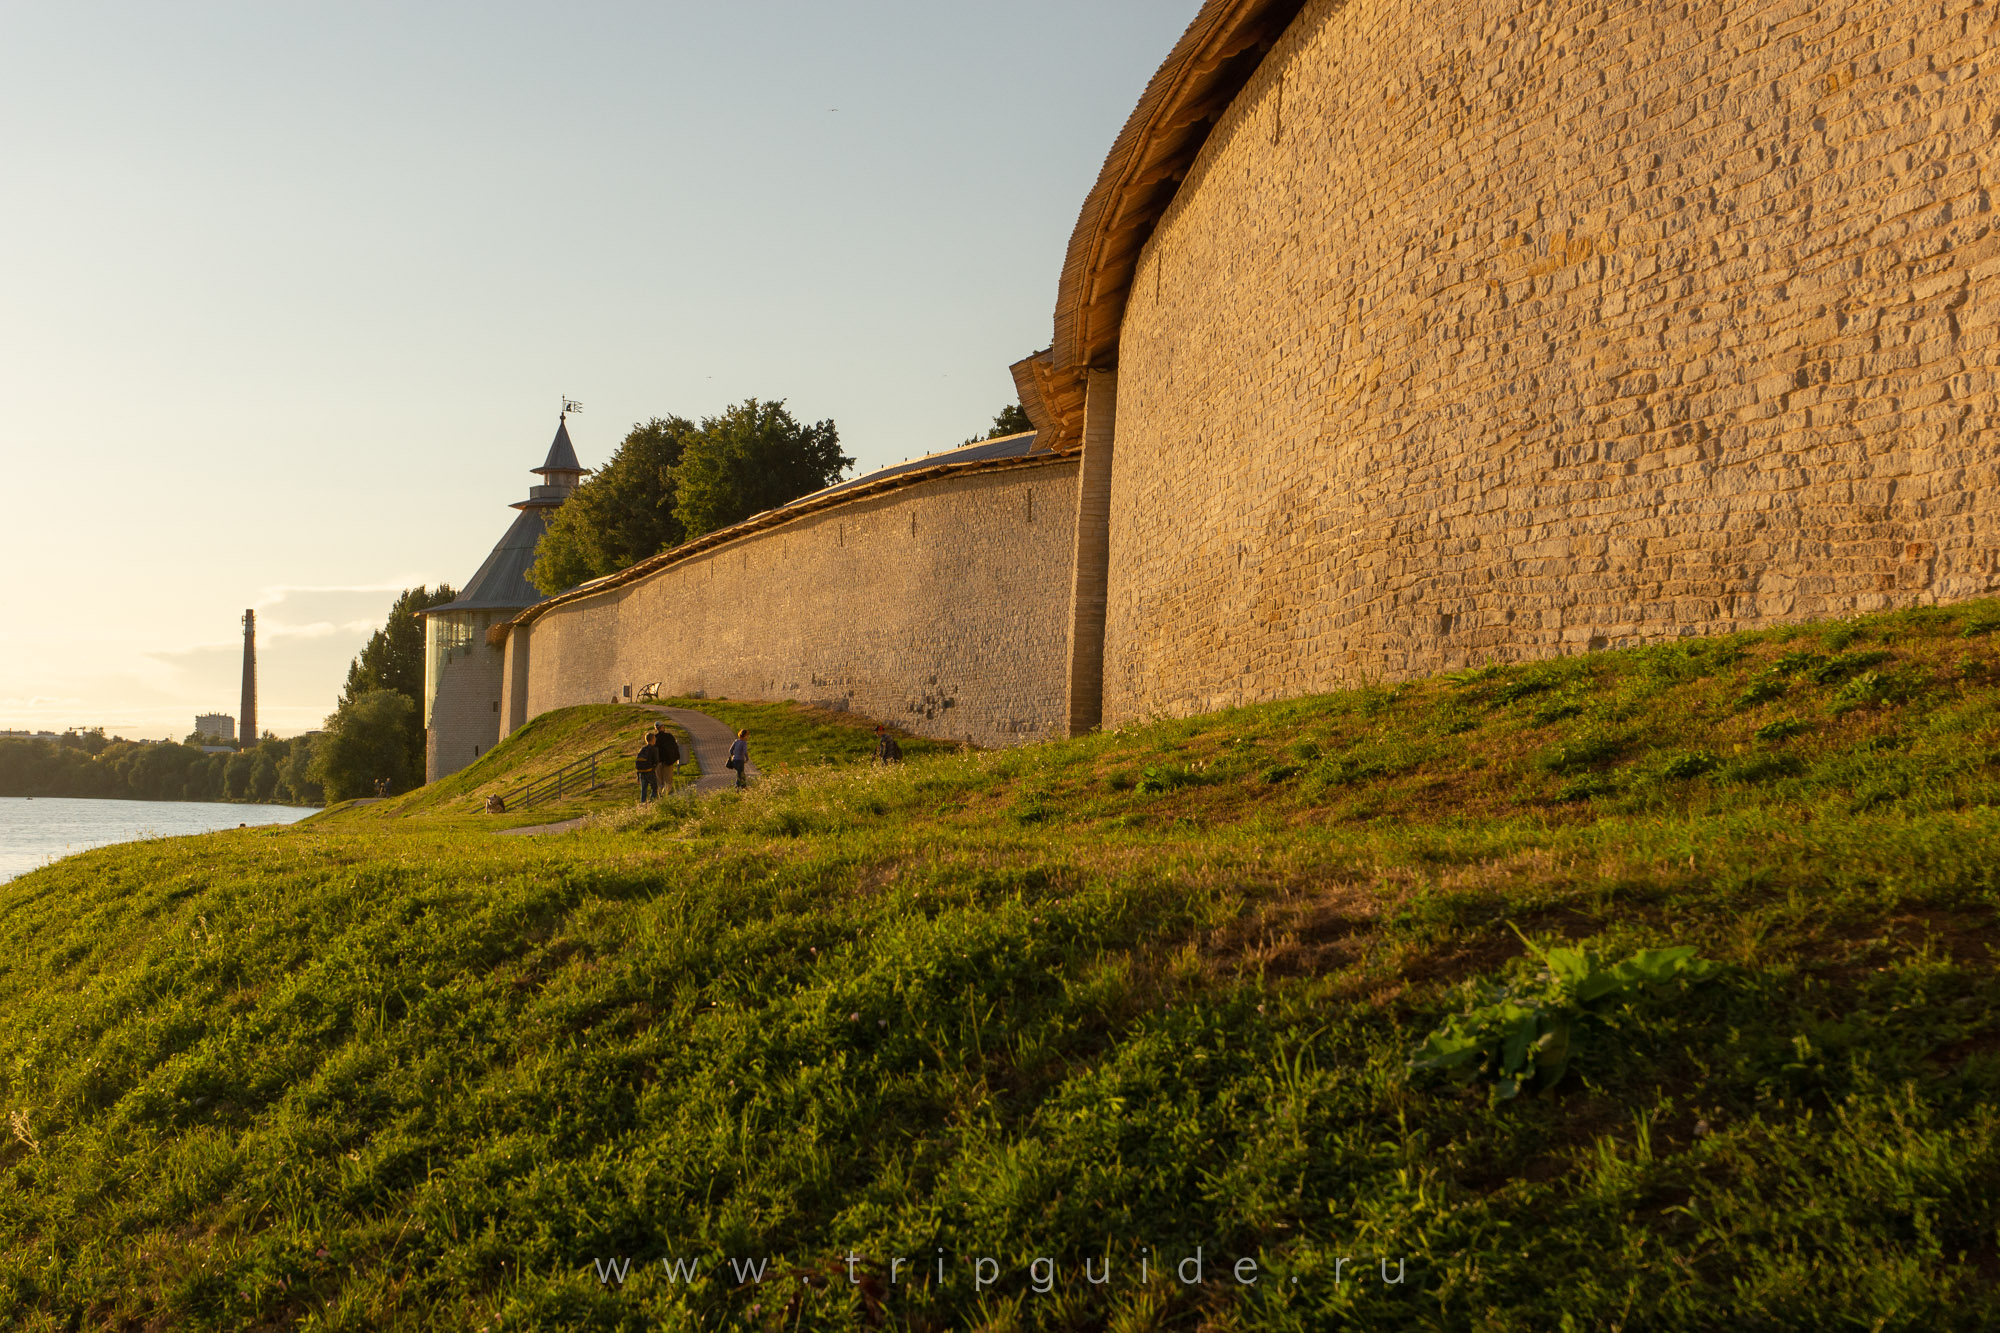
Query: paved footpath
{"type": "Point", "coordinates": [712, 740]}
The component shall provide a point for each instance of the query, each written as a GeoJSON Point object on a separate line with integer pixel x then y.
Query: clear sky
{"type": "Point", "coordinates": [290, 293]}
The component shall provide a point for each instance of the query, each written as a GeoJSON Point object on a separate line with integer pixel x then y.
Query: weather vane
{"type": "Point", "coordinates": [570, 405]}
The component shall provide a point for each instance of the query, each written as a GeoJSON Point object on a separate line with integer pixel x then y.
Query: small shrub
{"type": "Point", "coordinates": [1277, 773]}
{"type": "Point", "coordinates": [1579, 752]}
{"type": "Point", "coordinates": [1555, 711]}
{"type": "Point", "coordinates": [1882, 789]}
{"type": "Point", "coordinates": [1848, 664]}
{"type": "Point", "coordinates": [1783, 729]}
{"type": "Point", "coordinates": [1521, 1031]}
{"type": "Point", "coordinates": [1346, 770]}
{"type": "Point", "coordinates": [1984, 625]}
{"type": "Point", "coordinates": [1169, 777]}
{"type": "Point", "coordinates": [1690, 764]}
{"type": "Point", "coordinates": [1791, 664]}
{"type": "Point", "coordinates": [1586, 786]}
{"type": "Point", "coordinates": [786, 824]}
{"type": "Point", "coordinates": [1454, 720]}
{"type": "Point", "coordinates": [1764, 768]}
{"type": "Point", "coordinates": [1870, 689]}
{"type": "Point", "coordinates": [1032, 808]}
{"type": "Point", "coordinates": [1515, 690]}
{"type": "Point", "coordinates": [1762, 689]}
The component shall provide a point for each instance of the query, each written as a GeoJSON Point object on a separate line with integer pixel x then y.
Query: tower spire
{"type": "Point", "coordinates": [560, 472]}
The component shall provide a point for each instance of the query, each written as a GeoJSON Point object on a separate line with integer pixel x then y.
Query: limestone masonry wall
{"type": "Point", "coordinates": [942, 607]}
{"type": "Point", "coordinates": [1492, 330]}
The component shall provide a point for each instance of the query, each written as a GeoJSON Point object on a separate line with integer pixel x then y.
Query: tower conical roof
{"type": "Point", "coordinates": [501, 583]}
{"type": "Point", "coordinates": [562, 457]}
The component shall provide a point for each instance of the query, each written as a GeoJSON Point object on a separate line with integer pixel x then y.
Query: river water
{"type": "Point", "coordinates": [37, 830]}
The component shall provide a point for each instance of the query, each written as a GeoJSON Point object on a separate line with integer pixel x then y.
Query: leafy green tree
{"type": "Point", "coordinates": [367, 739]}
{"type": "Point", "coordinates": [621, 514]}
{"type": "Point", "coordinates": [393, 658]}
{"type": "Point", "coordinates": [1011, 420]}
{"type": "Point", "coordinates": [754, 456]}
{"type": "Point", "coordinates": [296, 778]}
{"type": "Point", "coordinates": [264, 775]}
{"type": "Point", "coordinates": [236, 775]}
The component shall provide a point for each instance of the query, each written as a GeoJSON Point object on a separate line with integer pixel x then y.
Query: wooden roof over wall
{"type": "Point", "coordinates": [1210, 64]}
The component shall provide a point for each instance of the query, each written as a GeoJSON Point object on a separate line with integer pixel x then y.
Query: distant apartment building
{"type": "Point", "coordinates": [215, 727]}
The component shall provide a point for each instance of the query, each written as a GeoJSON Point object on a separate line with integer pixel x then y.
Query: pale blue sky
{"type": "Point", "coordinates": [289, 292]}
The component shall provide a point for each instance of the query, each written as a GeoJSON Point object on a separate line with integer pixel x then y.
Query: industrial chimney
{"type": "Point", "coordinates": [249, 713]}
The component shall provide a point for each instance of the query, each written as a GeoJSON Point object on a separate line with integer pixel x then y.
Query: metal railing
{"type": "Point", "coordinates": [574, 778]}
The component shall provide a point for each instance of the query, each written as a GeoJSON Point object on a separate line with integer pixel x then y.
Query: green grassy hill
{"type": "Point", "coordinates": [1123, 998]}
{"type": "Point", "coordinates": [544, 745]}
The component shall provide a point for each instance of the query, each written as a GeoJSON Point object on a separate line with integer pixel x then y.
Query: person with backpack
{"type": "Point", "coordinates": [886, 749]}
{"type": "Point", "coordinates": [648, 760]}
{"type": "Point", "coordinates": [669, 758]}
{"type": "Point", "coordinates": [739, 757]}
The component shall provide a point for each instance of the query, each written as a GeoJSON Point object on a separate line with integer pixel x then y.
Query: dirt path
{"type": "Point", "coordinates": [711, 750]}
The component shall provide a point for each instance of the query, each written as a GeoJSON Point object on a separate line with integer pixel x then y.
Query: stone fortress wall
{"type": "Point", "coordinates": [940, 606]}
{"type": "Point", "coordinates": [1400, 335]}
{"type": "Point", "coordinates": [1488, 331]}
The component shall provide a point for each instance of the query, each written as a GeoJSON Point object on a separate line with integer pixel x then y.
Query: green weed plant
{"type": "Point", "coordinates": [1522, 1031]}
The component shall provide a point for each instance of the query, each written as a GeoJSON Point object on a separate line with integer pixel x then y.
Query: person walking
{"type": "Point", "coordinates": [669, 751]}
{"type": "Point", "coordinates": [647, 762]}
{"type": "Point", "coordinates": [739, 757]}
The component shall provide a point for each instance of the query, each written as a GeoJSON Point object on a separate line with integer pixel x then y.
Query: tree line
{"type": "Point", "coordinates": [376, 731]}
{"type": "Point", "coordinates": [671, 480]}
{"type": "Point", "coordinates": [89, 763]}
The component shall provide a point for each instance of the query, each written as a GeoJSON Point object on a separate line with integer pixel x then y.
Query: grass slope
{"type": "Point", "coordinates": [534, 750]}
{"type": "Point", "coordinates": [1116, 998]}
{"type": "Point", "coordinates": [789, 735]}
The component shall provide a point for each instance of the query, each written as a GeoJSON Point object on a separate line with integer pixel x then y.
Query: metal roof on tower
{"type": "Point", "coordinates": [501, 582]}
{"type": "Point", "coordinates": [562, 458]}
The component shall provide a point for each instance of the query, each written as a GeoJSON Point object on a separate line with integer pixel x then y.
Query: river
{"type": "Point", "coordinates": [39, 829]}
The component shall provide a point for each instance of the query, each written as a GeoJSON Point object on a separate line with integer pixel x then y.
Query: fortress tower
{"type": "Point", "coordinates": [462, 672]}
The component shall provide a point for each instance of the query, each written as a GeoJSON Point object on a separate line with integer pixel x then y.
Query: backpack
{"type": "Point", "coordinates": [892, 751]}
{"type": "Point", "coordinates": [648, 756]}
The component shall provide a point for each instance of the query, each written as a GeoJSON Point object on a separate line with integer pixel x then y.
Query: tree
{"type": "Point", "coordinates": [394, 658]}
{"type": "Point", "coordinates": [1011, 420]}
{"type": "Point", "coordinates": [365, 740]}
{"type": "Point", "coordinates": [621, 514]}
{"type": "Point", "coordinates": [295, 775]}
{"type": "Point", "coordinates": [753, 457]}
